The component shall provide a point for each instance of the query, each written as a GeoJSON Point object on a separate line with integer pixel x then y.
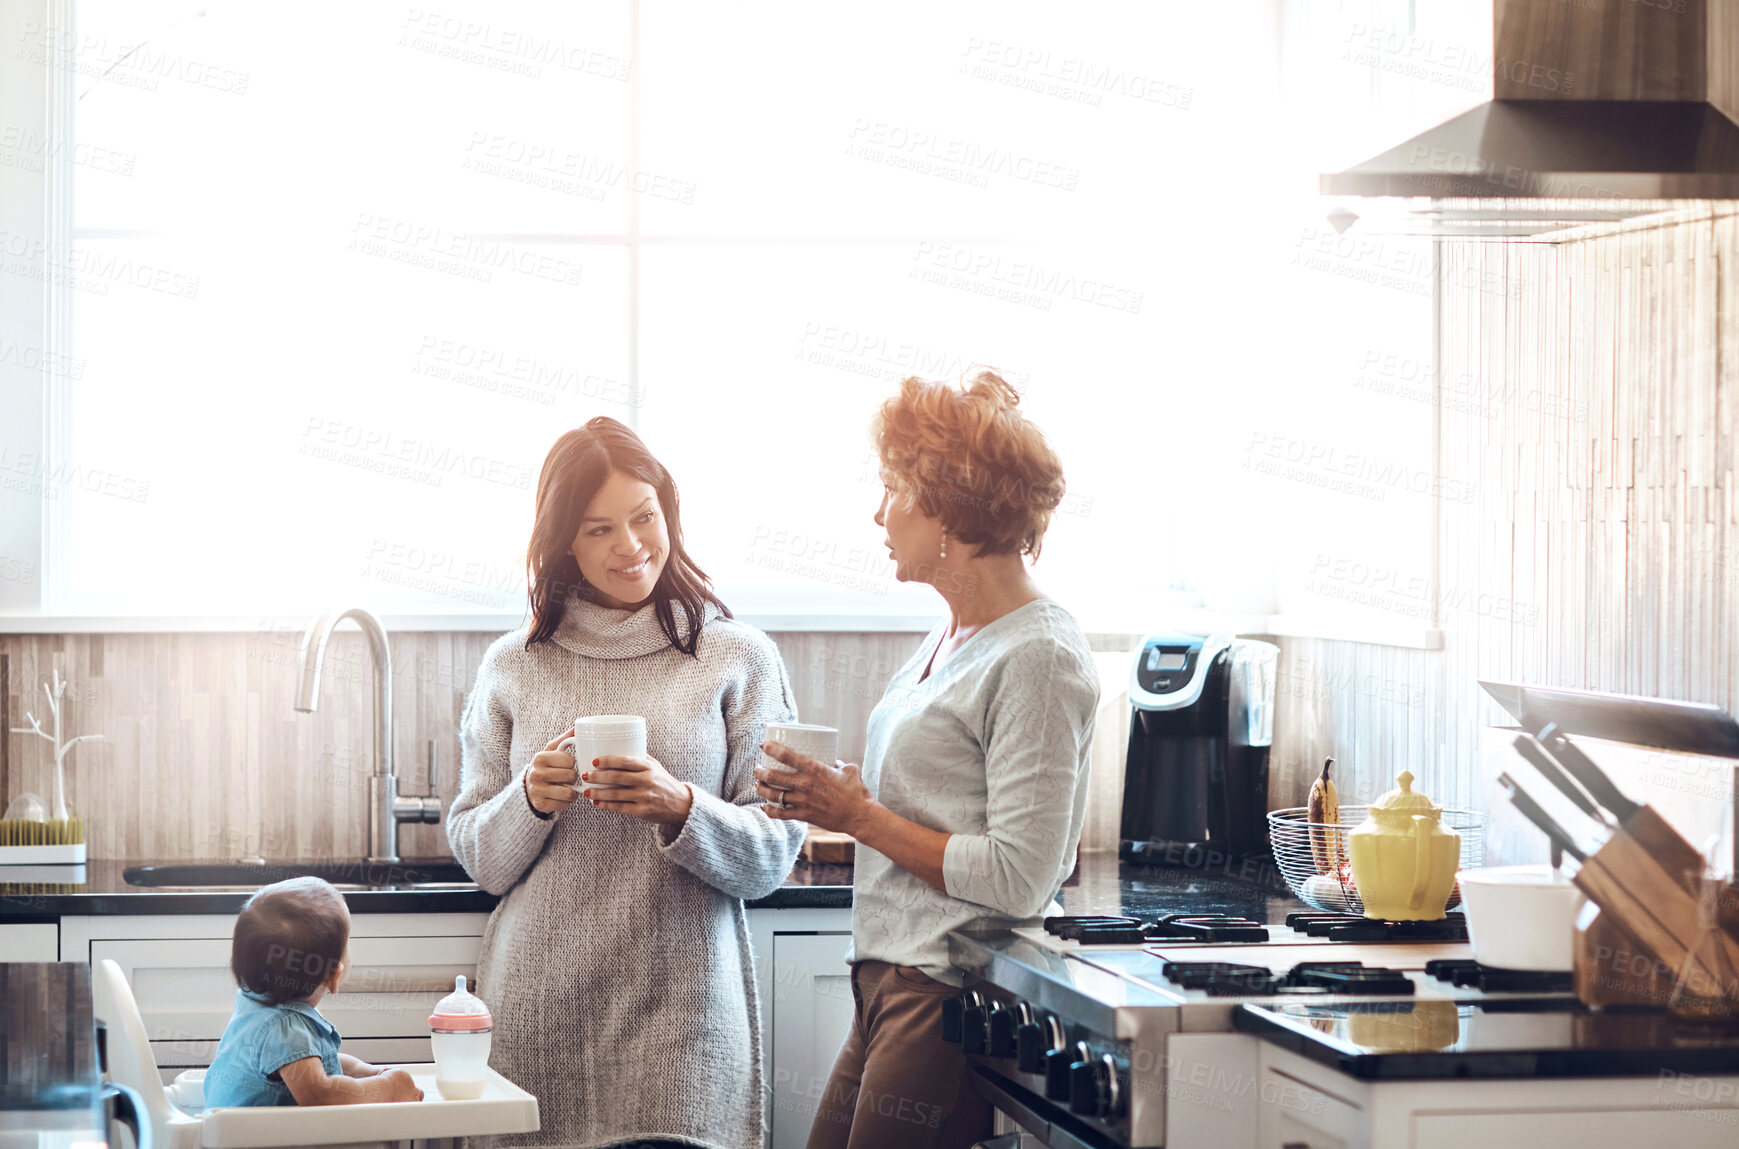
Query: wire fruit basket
{"type": "Point", "coordinates": [1313, 858]}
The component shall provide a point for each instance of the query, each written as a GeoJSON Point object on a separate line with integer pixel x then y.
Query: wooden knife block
{"type": "Point", "coordinates": [1612, 967]}
{"type": "Point", "coordinates": [1644, 885]}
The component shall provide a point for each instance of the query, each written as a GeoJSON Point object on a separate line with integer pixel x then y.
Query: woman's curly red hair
{"type": "Point", "coordinates": [967, 457]}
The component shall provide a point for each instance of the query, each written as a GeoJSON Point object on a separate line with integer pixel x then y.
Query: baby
{"type": "Point", "coordinates": [292, 948]}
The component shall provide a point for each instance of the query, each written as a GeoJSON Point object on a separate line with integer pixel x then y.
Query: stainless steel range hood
{"type": "Point", "coordinates": [1603, 110]}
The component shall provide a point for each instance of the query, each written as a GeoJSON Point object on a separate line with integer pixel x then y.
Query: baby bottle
{"type": "Point", "coordinates": [461, 1028]}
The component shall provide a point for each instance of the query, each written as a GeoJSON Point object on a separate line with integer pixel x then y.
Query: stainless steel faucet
{"type": "Point", "coordinates": [386, 808]}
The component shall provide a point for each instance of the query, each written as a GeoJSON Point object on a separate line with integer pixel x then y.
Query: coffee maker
{"type": "Point", "coordinates": [1196, 776]}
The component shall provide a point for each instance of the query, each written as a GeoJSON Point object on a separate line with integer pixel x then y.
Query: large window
{"type": "Point", "coordinates": [340, 273]}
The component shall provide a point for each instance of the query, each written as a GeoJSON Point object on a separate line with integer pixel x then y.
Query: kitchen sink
{"type": "Point", "coordinates": [357, 874]}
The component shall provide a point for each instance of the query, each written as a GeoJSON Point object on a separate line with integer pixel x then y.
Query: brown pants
{"type": "Point", "coordinates": [897, 1084]}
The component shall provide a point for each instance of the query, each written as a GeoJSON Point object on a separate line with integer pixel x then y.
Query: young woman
{"type": "Point", "coordinates": [618, 964]}
{"type": "Point", "coordinates": [973, 789]}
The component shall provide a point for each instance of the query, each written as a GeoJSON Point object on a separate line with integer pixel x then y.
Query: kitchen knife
{"type": "Point", "coordinates": [1536, 755]}
{"type": "Point", "coordinates": [1532, 812]}
{"type": "Point", "coordinates": [1582, 768]}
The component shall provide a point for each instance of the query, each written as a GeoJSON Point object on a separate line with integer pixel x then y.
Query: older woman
{"type": "Point", "coordinates": [973, 787]}
{"type": "Point", "coordinates": [618, 962]}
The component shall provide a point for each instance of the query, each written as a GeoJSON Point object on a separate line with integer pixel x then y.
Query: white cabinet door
{"type": "Point", "coordinates": [32, 941]}
{"type": "Point", "coordinates": [811, 1007]}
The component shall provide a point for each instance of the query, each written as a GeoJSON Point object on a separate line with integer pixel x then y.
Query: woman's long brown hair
{"type": "Point", "coordinates": [576, 467]}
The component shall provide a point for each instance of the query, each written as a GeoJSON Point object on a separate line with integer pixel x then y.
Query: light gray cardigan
{"type": "Point", "coordinates": [618, 964]}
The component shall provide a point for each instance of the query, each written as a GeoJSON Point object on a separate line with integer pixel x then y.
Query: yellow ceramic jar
{"type": "Point", "coordinates": [1404, 858]}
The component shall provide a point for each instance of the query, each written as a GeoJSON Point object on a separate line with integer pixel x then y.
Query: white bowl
{"type": "Point", "coordinates": [1518, 917]}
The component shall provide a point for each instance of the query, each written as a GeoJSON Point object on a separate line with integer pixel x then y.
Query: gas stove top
{"type": "Point", "coordinates": [1092, 933]}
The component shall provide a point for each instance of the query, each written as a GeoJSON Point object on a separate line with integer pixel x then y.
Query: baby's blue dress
{"type": "Point", "coordinates": [261, 1039]}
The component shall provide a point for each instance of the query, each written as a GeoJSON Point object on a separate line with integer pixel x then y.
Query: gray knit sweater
{"type": "Point", "coordinates": [618, 964]}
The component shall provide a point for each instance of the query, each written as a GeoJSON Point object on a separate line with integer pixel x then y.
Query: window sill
{"type": "Point", "coordinates": [478, 623]}
{"type": "Point", "coordinates": [1406, 635]}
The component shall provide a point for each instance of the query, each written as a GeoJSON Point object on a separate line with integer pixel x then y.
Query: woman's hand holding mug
{"type": "Point", "coordinates": [639, 786]}
{"type": "Point", "coordinates": [827, 797]}
{"type": "Point", "coordinates": [549, 784]}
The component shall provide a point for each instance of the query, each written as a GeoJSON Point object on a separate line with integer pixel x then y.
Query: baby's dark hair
{"type": "Point", "coordinates": [289, 939]}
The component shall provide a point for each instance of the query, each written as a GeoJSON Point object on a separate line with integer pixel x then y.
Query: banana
{"type": "Point", "coordinates": [1325, 848]}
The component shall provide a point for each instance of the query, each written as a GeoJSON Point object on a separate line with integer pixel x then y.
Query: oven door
{"type": "Point", "coordinates": [1044, 1122]}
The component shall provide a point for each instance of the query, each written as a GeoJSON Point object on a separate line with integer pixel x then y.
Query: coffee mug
{"type": "Point", "coordinates": [818, 742]}
{"type": "Point", "coordinates": [602, 734]}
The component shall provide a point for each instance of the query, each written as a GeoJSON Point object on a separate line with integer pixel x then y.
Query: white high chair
{"type": "Point", "coordinates": [503, 1108]}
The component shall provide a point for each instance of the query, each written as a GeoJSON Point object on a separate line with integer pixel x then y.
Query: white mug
{"type": "Point", "coordinates": [601, 734]}
{"type": "Point", "coordinates": [818, 742]}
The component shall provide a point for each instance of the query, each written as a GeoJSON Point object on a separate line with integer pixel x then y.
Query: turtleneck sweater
{"type": "Point", "coordinates": [617, 964]}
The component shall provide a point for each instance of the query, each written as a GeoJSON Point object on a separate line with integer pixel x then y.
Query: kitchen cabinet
{"type": "Point", "coordinates": [30, 941]}
{"type": "Point", "coordinates": [178, 966]}
{"type": "Point", "coordinates": [806, 1011]}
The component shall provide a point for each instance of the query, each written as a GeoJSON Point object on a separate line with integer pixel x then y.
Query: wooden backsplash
{"type": "Point", "coordinates": [1591, 392]}
{"type": "Point", "coordinates": [207, 758]}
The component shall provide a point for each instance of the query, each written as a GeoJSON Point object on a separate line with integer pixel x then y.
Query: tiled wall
{"type": "Point", "coordinates": [1590, 404]}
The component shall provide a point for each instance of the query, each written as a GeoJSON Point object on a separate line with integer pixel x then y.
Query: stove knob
{"type": "Point", "coordinates": [1034, 1040]}
{"type": "Point", "coordinates": [1060, 1066]}
{"type": "Point", "coordinates": [1112, 1101]}
{"type": "Point", "coordinates": [953, 1014]}
{"type": "Point", "coordinates": [1086, 1090]}
{"type": "Point", "coordinates": [973, 1027]}
{"type": "Point", "coordinates": [1003, 1019]}
{"type": "Point", "coordinates": [1057, 1063]}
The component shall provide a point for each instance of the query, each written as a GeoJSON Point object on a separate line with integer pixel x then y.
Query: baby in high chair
{"type": "Point", "coordinates": [292, 948]}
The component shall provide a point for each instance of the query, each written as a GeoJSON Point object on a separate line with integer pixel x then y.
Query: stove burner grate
{"type": "Point", "coordinates": [1354, 928]}
{"type": "Point", "coordinates": [1112, 930]}
{"type": "Point", "coordinates": [1468, 974]}
{"type": "Point", "coordinates": [1226, 979]}
{"type": "Point", "coordinates": [1207, 928]}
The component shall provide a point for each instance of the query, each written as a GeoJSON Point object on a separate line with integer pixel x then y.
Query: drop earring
{"type": "Point", "coordinates": [944, 544]}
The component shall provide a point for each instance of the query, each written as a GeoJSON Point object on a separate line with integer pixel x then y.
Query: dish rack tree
{"type": "Point", "coordinates": [55, 690]}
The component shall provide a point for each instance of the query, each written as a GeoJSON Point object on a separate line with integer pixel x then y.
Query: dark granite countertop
{"type": "Point", "coordinates": [1251, 888]}
{"type": "Point", "coordinates": [1100, 884]}
{"type": "Point", "coordinates": [101, 888]}
{"type": "Point", "coordinates": [1434, 1040]}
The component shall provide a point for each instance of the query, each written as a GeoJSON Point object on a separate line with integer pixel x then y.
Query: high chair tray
{"type": "Point", "coordinates": [503, 1108]}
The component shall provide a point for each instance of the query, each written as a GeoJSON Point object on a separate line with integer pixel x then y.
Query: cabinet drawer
{"type": "Point", "coordinates": [174, 1056]}
{"type": "Point", "coordinates": [32, 941]}
{"type": "Point", "coordinates": [1294, 1115]}
{"type": "Point", "coordinates": [1709, 1128]}
{"type": "Point", "coordinates": [186, 992]}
